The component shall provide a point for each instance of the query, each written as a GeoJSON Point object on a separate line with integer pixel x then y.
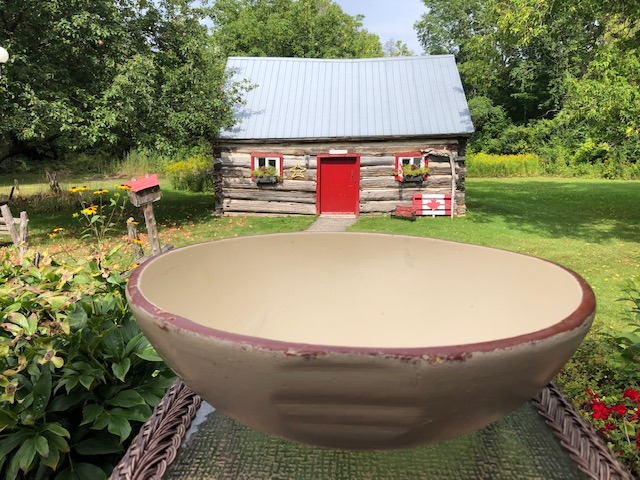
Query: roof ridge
{"type": "Point", "coordinates": [346, 60]}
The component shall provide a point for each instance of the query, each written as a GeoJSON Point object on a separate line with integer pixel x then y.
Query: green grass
{"type": "Point", "coordinates": [590, 226]}
{"type": "Point", "coordinates": [182, 217]}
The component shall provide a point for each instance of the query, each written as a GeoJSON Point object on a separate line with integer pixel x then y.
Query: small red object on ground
{"type": "Point", "coordinates": [403, 211]}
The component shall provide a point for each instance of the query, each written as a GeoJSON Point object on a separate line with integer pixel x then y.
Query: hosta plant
{"type": "Point", "coordinates": [77, 377]}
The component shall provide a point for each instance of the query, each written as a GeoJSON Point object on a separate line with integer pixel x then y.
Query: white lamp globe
{"type": "Point", "coordinates": [4, 55]}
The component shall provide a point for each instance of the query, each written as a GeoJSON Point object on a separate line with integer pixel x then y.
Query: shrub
{"type": "Point", "coordinates": [193, 174]}
{"type": "Point", "coordinates": [603, 379]}
{"type": "Point", "coordinates": [78, 377]}
{"type": "Point", "coordinates": [485, 165]}
{"type": "Point", "coordinates": [617, 420]}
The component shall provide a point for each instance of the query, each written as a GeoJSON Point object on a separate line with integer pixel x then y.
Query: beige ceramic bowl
{"type": "Point", "coordinates": [360, 341]}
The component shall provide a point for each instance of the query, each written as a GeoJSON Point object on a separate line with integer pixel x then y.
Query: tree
{"type": "Point", "coordinates": [290, 28]}
{"type": "Point", "coordinates": [396, 48]}
{"type": "Point", "coordinates": [565, 70]}
{"type": "Point", "coordinates": [108, 74]}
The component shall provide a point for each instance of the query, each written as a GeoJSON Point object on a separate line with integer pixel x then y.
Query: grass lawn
{"type": "Point", "coordinates": [590, 226]}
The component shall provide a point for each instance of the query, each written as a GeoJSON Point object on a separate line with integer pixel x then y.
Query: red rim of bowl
{"type": "Point", "coordinates": [575, 320]}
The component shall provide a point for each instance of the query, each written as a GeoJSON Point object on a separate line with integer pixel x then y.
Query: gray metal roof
{"type": "Point", "coordinates": [298, 98]}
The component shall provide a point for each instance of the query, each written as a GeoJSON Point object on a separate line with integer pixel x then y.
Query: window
{"type": "Point", "coordinates": [413, 160]}
{"type": "Point", "coordinates": [266, 161]}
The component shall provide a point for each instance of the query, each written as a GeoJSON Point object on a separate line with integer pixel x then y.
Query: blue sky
{"type": "Point", "coordinates": [389, 18]}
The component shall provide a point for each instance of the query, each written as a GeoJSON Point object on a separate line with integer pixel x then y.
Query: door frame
{"type": "Point", "coordinates": [325, 156]}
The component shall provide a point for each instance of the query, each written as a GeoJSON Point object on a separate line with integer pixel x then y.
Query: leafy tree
{"type": "Point", "coordinates": [565, 72]}
{"type": "Point", "coordinates": [290, 28]}
{"type": "Point", "coordinates": [396, 48]}
{"type": "Point", "coordinates": [109, 74]}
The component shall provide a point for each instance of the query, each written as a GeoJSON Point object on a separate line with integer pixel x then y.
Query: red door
{"type": "Point", "coordinates": [338, 184]}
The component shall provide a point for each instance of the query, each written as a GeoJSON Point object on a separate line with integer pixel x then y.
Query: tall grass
{"type": "Point", "coordinates": [483, 165]}
{"type": "Point", "coordinates": [141, 162]}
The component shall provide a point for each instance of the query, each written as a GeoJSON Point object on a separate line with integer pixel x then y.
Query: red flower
{"type": "Point", "coordinates": [591, 394]}
{"type": "Point", "coordinates": [620, 409]}
{"type": "Point", "coordinates": [632, 394]}
{"type": "Point", "coordinates": [607, 428]}
{"type": "Point", "coordinates": [600, 410]}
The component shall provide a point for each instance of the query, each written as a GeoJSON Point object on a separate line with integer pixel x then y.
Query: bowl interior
{"type": "Point", "coordinates": [360, 290]}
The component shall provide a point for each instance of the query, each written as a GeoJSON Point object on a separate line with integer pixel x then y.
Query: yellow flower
{"type": "Point", "coordinates": [83, 188]}
{"type": "Point", "coordinates": [132, 222]}
{"type": "Point", "coordinates": [100, 191]}
{"type": "Point", "coordinates": [90, 210]}
{"type": "Point", "coordinates": [74, 189]}
{"type": "Point", "coordinates": [76, 215]}
{"type": "Point", "coordinates": [123, 187]}
{"type": "Point", "coordinates": [137, 240]}
{"type": "Point", "coordinates": [58, 229]}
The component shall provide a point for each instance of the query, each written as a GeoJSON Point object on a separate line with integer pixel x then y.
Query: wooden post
{"type": "Point", "coordinates": [453, 184]}
{"type": "Point", "coordinates": [8, 220]}
{"type": "Point", "coordinates": [132, 230]}
{"type": "Point", "coordinates": [152, 229]}
{"type": "Point", "coordinates": [24, 232]}
{"type": "Point", "coordinates": [53, 181]}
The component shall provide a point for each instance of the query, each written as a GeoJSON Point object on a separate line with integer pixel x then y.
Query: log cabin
{"type": "Point", "coordinates": [343, 136]}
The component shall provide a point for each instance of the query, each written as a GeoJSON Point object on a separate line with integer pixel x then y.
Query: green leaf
{"type": "Point", "coordinates": [7, 444]}
{"type": "Point", "coordinates": [120, 369]}
{"type": "Point", "coordinates": [61, 403]}
{"type": "Point", "coordinates": [103, 444]}
{"type": "Point", "coordinates": [149, 354]}
{"type": "Point", "coordinates": [42, 446]}
{"type": "Point", "coordinates": [8, 419]}
{"type": "Point", "coordinates": [25, 454]}
{"type": "Point", "coordinates": [58, 302]}
{"type": "Point", "coordinates": [126, 398]}
{"type": "Point", "coordinates": [52, 459]}
{"type": "Point", "coordinates": [58, 429]}
{"type": "Point", "coordinates": [140, 413]}
{"type": "Point", "coordinates": [41, 394]}
{"type": "Point", "coordinates": [138, 342]}
{"type": "Point", "coordinates": [77, 318]}
{"type": "Point", "coordinates": [56, 442]}
{"type": "Point", "coordinates": [150, 398]}
{"type": "Point", "coordinates": [630, 337]}
{"type": "Point", "coordinates": [119, 426]}
{"type": "Point", "coordinates": [101, 422]}
{"type": "Point", "coordinates": [82, 471]}
{"type": "Point", "coordinates": [86, 381]}
{"type": "Point", "coordinates": [91, 412]}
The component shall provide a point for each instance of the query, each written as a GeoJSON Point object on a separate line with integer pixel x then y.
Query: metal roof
{"type": "Point", "coordinates": [301, 98]}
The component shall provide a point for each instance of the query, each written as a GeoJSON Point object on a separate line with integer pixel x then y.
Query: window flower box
{"type": "Point", "coordinates": [266, 176]}
{"type": "Point", "coordinates": [270, 179]}
{"type": "Point", "coordinates": [413, 173]}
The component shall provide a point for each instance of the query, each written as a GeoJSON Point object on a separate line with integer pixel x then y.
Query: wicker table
{"type": "Point", "coordinates": [545, 439]}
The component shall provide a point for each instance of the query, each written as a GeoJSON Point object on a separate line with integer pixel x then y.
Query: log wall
{"type": "Point", "coordinates": [380, 192]}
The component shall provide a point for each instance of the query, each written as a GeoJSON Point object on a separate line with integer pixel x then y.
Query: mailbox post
{"type": "Point", "coordinates": [143, 192]}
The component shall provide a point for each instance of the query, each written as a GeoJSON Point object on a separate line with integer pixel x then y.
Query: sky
{"type": "Point", "coordinates": [389, 18]}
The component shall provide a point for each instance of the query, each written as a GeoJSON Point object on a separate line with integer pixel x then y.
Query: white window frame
{"type": "Point", "coordinates": [267, 160]}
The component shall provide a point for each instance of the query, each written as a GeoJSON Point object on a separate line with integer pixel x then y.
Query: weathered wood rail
{"type": "Point", "coordinates": [15, 227]}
